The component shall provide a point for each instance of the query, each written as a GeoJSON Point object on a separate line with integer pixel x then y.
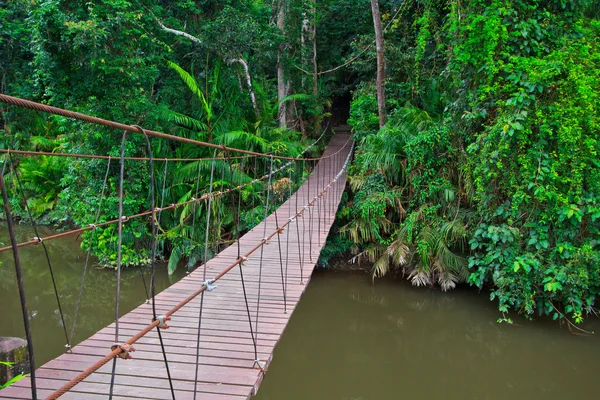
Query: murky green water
{"type": "Point", "coordinates": [347, 340]}
{"type": "Point", "coordinates": [68, 259]}
{"type": "Point", "coordinates": [350, 340]}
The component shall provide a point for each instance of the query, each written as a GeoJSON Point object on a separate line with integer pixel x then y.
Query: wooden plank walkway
{"type": "Point", "coordinates": [226, 368]}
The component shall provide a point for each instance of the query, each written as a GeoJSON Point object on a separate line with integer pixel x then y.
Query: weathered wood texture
{"type": "Point", "coordinates": [227, 368]}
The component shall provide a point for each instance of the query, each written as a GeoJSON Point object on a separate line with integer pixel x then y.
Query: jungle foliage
{"type": "Point", "coordinates": [488, 169]}
{"type": "Point", "coordinates": [485, 172]}
{"type": "Point", "coordinates": [127, 61]}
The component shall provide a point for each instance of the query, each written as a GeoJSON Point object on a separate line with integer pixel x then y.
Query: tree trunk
{"type": "Point", "coordinates": [380, 61]}
{"type": "Point", "coordinates": [244, 65]}
{"type": "Point", "coordinates": [281, 83]}
{"type": "Point", "coordinates": [240, 61]}
{"type": "Point", "coordinates": [314, 50]}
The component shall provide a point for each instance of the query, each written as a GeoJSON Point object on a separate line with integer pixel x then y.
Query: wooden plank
{"type": "Point", "coordinates": [227, 368]}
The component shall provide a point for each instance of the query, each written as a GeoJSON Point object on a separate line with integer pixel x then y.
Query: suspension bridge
{"type": "Point", "coordinates": [212, 334]}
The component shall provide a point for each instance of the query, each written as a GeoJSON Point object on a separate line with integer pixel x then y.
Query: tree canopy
{"type": "Point", "coordinates": [485, 172]}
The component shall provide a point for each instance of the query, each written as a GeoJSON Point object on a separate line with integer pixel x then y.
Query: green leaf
{"type": "Point", "coordinates": [516, 266]}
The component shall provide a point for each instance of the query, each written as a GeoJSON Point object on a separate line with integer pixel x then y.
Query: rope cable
{"type": "Point", "coordinates": [236, 218]}
{"type": "Point", "coordinates": [195, 206]}
{"type": "Point", "coordinates": [303, 228]}
{"type": "Point", "coordinates": [287, 240]}
{"type": "Point", "coordinates": [310, 215]}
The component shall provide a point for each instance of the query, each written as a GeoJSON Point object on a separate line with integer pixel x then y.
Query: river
{"type": "Point", "coordinates": [68, 259]}
{"type": "Point", "coordinates": [351, 340]}
{"type": "Point", "coordinates": [348, 339]}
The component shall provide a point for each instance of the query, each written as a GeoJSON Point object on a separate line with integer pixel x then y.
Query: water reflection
{"type": "Point", "coordinates": [349, 339]}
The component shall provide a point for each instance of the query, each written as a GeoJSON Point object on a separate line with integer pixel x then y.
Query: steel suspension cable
{"type": "Point", "coordinates": [195, 204]}
{"type": "Point", "coordinates": [296, 195]}
{"type": "Point", "coordinates": [319, 168]}
{"type": "Point", "coordinates": [310, 216]}
{"type": "Point", "coordinates": [89, 251]}
{"type": "Point", "coordinates": [236, 218]}
{"type": "Point", "coordinates": [142, 214]}
{"type": "Point", "coordinates": [128, 128]}
{"type": "Point", "coordinates": [153, 264]}
{"type": "Point", "coordinates": [94, 156]}
{"type": "Point", "coordinates": [287, 240]}
{"type": "Point", "coordinates": [306, 208]}
{"type": "Point", "coordinates": [221, 181]}
{"type": "Point", "coordinates": [279, 231]}
{"type": "Point", "coordinates": [262, 247]}
{"type": "Point", "coordinates": [119, 350]}
{"type": "Point", "coordinates": [46, 253]}
{"type": "Point", "coordinates": [205, 264]}
{"type": "Point", "coordinates": [119, 259]}
{"type": "Point", "coordinates": [19, 273]}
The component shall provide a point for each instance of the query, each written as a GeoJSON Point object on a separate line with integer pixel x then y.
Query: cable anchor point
{"type": "Point", "coordinates": [126, 348]}
{"type": "Point", "coordinates": [209, 284]}
{"type": "Point", "coordinates": [162, 321]}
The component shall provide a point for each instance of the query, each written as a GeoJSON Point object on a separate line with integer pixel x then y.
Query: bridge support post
{"type": "Point", "coordinates": [14, 359]}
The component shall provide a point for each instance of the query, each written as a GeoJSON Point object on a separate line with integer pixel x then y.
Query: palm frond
{"type": "Point", "coordinates": [190, 82]}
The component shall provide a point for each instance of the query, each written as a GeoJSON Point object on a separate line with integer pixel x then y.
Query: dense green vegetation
{"type": "Point", "coordinates": [485, 172]}
{"type": "Point", "coordinates": [128, 62]}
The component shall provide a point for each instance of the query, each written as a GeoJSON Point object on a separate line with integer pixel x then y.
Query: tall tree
{"type": "Point", "coordinates": [380, 61]}
{"type": "Point", "coordinates": [282, 87]}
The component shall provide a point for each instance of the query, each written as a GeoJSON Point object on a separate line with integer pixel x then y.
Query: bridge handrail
{"type": "Point", "coordinates": [32, 105]}
{"type": "Point", "coordinates": [114, 353]}
{"type": "Point", "coordinates": [38, 240]}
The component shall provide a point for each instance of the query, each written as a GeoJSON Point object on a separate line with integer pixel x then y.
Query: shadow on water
{"type": "Point", "coordinates": [68, 259]}
{"type": "Point", "coordinates": [351, 340]}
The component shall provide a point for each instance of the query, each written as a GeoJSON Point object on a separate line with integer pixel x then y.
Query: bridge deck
{"type": "Point", "coordinates": [227, 369]}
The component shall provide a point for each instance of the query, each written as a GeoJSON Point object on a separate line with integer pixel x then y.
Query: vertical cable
{"type": "Point", "coordinates": [15, 251]}
{"type": "Point", "coordinates": [208, 213]}
{"type": "Point", "coordinates": [195, 202]}
{"type": "Point", "coordinates": [153, 259]}
{"type": "Point", "coordinates": [236, 218]}
{"type": "Point", "coordinates": [280, 256]}
{"type": "Point", "coordinates": [262, 248]}
{"type": "Point", "coordinates": [318, 195]}
{"type": "Point", "coordinates": [310, 216]}
{"type": "Point", "coordinates": [289, 228]}
{"type": "Point", "coordinates": [296, 194]}
{"type": "Point", "coordinates": [37, 235]}
{"type": "Point", "coordinates": [119, 258]}
{"type": "Point", "coordinates": [323, 196]}
{"type": "Point", "coordinates": [217, 241]}
{"type": "Point", "coordinates": [89, 251]}
{"type": "Point", "coordinates": [303, 222]}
